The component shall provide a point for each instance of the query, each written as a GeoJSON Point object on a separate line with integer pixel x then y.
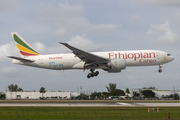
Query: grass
{"type": "Point", "coordinates": [90, 113]}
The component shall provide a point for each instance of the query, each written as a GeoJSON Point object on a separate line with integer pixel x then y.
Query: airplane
{"type": "Point", "coordinates": [110, 61]}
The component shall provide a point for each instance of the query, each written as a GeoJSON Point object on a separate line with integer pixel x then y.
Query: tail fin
{"type": "Point", "coordinates": [24, 47]}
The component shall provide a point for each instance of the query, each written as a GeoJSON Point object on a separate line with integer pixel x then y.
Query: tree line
{"type": "Point", "coordinates": [15, 88]}
{"type": "Point", "coordinates": [112, 92]}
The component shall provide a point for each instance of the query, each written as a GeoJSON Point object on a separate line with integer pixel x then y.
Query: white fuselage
{"type": "Point", "coordinates": [70, 61]}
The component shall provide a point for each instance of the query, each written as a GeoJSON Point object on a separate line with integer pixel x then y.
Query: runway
{"type": "Point", "coordinates": [159, 104]}
{"type": "Point", "coordinates": [118, 104]}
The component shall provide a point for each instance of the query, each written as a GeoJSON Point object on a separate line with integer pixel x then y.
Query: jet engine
{"type": "Point", "coordinates": [116, 65]}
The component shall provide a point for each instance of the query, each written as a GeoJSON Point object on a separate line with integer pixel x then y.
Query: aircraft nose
{"type": "Point", "coordinates": [170, 58]}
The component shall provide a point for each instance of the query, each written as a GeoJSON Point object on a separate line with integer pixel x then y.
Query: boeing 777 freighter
{"type": "Point", "coordinates": [110, 61]}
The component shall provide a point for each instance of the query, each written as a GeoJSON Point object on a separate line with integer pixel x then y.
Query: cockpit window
{"type": "Point", "coordinates": [168, 54]}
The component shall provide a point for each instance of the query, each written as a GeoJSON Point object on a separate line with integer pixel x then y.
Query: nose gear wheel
{"type": "Point", "coordinates": [160, 70]}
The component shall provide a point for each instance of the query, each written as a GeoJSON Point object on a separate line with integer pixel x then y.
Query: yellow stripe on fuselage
{"type": "Point", "coordinates": [25, 49]}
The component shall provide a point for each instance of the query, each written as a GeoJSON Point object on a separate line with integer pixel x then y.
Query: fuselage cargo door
{"type": "Point", "coordinates": [157, 55]}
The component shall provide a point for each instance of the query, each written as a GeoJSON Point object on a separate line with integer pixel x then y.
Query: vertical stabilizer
{"type": "Point", "coordinates": [24, 47]}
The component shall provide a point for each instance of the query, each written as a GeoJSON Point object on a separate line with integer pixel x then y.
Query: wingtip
{"type": "Point", "coordinates": [9, 56]}
{"type": "Point", "coordinates": [63, 43]}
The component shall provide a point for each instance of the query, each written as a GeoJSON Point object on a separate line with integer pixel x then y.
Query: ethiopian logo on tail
{"type": "Point", "coordinates": [24, 47]}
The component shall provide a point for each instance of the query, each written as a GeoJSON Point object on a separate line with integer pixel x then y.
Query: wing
{"type": "Point", "coordinates": [86, 56]}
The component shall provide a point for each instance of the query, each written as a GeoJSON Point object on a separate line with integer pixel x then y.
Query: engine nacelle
{"type": "Point", "coordinates": [116, 65]}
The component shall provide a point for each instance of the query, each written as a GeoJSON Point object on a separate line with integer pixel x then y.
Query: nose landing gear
{"type": "Point", "coordinates": [92, 74]}
{"type": "Point", "coordinates": [160, 70]}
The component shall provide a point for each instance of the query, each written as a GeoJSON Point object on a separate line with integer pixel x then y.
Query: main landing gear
{"type": "Point", "coordinates": [160, 66]}
{"type": "Point", "coordinates": [92, 74]}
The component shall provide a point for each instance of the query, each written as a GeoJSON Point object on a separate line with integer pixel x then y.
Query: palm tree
{"type": "Point", "coordinates": [127, 91]}
{"type": "Point", "coordinates": [111, 87]}
{"type": "Point", "coordinates": [42, 90]}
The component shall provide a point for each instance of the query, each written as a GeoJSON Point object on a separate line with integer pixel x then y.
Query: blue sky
{"type": "Point", "coordinates": [92, 26]}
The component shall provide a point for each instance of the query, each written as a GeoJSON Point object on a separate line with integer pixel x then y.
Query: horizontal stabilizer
{"type": "Point", "coordinates": [21, 59]}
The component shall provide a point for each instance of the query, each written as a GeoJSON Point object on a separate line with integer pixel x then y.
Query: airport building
{"type": "Point", "coordinates": [158, 93]}
{"type": "Point", "coordinates": [38, 95]}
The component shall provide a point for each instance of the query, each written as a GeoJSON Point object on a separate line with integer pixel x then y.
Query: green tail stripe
{"type": "Point", "coordinates": [19, 41]}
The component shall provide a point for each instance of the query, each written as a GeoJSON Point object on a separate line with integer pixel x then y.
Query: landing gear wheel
{"type": "Point", "coordinates": [159, 70]}
{"type": "Point", "coordinates": [92, 74]}
{"type": "Point", "coordinates": [89, 75]}
{"type": "Point", "coordinates": [96, 73]}
{"type": "Point", "coordinates": [160, 66]}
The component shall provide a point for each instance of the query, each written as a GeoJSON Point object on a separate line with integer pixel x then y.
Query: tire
{"type": "Point", "coordinates": [89, 75]}
{"type": "Point", "coordinates": [159, 70]}
{"type": "Point", "coordinates": [92, 74]}
{"type": "Point", "coordinates": [96, 73]}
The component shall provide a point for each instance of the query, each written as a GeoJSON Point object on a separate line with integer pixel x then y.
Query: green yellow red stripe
{"type": "Point", "coordinates": [25, 49]}
{"type": "Point", "coordinates": [26, 54]}
{"type": "Point", "coordinates": [20, 42]}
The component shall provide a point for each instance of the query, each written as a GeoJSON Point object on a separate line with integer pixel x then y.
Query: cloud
{"type": "Point", "coordinates": [40, 47]}
{"type": "Point", "coordinates": [177, 15]}
{"type": "Point", "coordinates": [166, 3]}
{"type": "Point", "coordinates": [103, 28]}
{"type": "Point", "coordinates": [135, 18]}
{"type": "Point", "coordinates": [5, 4]}
{"type": "Point", "coordinates": [83, 43]}
{"type": "Point", "coordinates": [60, 32]}
{"type": "Point", "coordinates": [9, 69]}
{"type": "Point", "coordinates": [69, 19]}
{"type": "Point", "coordinates": [163, 3]}
{"type": "Point", "coordinates": [152, 29]}
{"type": "Point", "coordinates": [77, 41]}
{"type": "Point", "coordinates": [8, 49]}
{"type": "Point", "coordinates": [167, 37]}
